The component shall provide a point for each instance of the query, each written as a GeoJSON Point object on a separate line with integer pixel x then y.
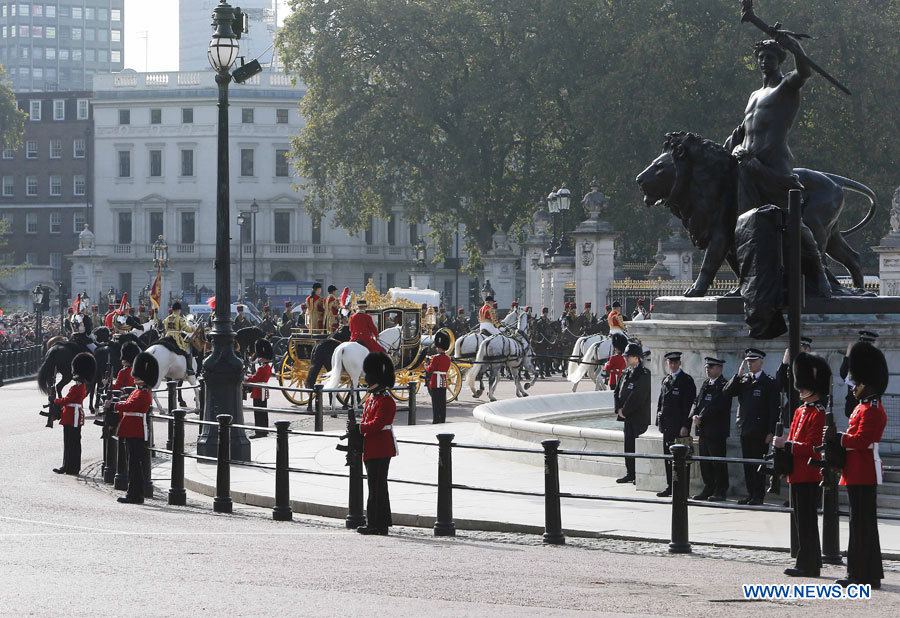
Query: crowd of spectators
{"type": "Point", "coordinates": [17, 330]}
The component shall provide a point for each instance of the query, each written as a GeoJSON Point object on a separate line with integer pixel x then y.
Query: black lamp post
{"type": "Point", "coordinates": [222, 369]}
{"type": "Point", "coordinates": [563, 201]}
{"type": "Point", "coordinates": [37, 295]}
{"type": "Point", "coordinates": [553, 208]}
{"type": "Point", "coordinates": [254, 210]}
{"type": "Point", "coordinates": [242, 222]}
{"type": "Point", "coordinates": [62, 308]}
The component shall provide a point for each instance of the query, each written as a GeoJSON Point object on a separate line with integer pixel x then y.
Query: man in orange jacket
{"type": "Point", "coordinates": [362, 328]}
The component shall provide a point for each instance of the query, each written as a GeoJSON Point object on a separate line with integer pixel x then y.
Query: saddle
{"type": "Point", "coordinates": [169, 344]}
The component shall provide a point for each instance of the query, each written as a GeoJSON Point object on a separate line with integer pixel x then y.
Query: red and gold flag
{"type": "Point", "coordinates": [156, 291]}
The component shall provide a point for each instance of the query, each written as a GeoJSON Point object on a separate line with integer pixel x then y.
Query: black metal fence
{"type": "Point", "coordinates": [20, 362]}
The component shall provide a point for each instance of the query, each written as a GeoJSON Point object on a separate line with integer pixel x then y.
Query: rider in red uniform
{"type": "Point", "coordinates": [362, 328]}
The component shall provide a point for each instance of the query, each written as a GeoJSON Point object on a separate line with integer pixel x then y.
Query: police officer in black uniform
{"type": "Point", "coordinates": [712, 417]}
{"type": "Point", "coordinates": [632, 402]}
{"type": "Point", "coordinates": [759, 405]}
{"type": "Point", "coordinates": [850, 402]}
{"type": "Point", "coordinates": [673, 410]}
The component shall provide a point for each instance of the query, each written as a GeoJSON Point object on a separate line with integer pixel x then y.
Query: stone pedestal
{"type": "Point", "coordinates": [420, 279]}
{"type": "Point", "coordinates": [594, 262]}
{"type": "Point", "coordinates": [546, 288]}
{"type": "Point", "coordinates": [562, 272]}
{"type": "Point", "coordinates": [88, 271]}
{"type": "Point", "coordinates": [531, 266]}
{"type": "Point", "coordinates": [500, 269]}
{"type": "Point", "coordinates": [889, 264]}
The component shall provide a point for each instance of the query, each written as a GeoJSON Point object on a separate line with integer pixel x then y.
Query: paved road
{"type": "Point", "coordinates": [68, 548]}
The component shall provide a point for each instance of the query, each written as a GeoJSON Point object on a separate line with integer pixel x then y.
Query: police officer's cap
{"type": "Point", "coordinates": [867, 335]}
{"type": "Point", "coordinates": [709, 360]}
{"type": "Point", "coordinates": [753, 354]}
{"type": "Point", "coordinates": [673, 356]}
{"type": "Point", "coordinates": [633, 349]}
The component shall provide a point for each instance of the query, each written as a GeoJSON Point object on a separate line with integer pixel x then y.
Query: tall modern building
{"type": "Point", "coordinates": [194, 23]}
{"type": "Point", "coordinates": [60, 44]}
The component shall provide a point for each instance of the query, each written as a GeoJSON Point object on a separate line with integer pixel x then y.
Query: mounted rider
{"type": "Point", "coordinates": [267, 325]}
{"type": "Point", "coordinates": [81, 326]}
{"type": "Point", "coordinates": [487, 317]}
{"type": "Point", "coordinates": [174, 325]}
{"type": "Point", "coordinates": [516, 319]}
{"type": "Point", "coordinates": [362, 328]}
{"type": "Point", "coordinates": [241, 320]}
{"type": "Point", "coordinates": [615, 320]}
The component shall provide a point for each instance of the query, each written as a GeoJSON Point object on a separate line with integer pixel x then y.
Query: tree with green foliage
{"type": "Point", "coordinates": [468, 111]}
{"type": "Point", "coordinates": [12, 120]}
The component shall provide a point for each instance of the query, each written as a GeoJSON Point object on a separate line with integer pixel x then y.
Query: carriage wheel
{"type": "Point", "coordinates": [454, 382]}
{"type": "Point", "coordinates": [280, 346]}
{"type": "Point", "coordinates": [401, 392]}
{"type": "Point", "coordinates": [293, 375]}
{"type": "Point", "coordinates": [344, 398]}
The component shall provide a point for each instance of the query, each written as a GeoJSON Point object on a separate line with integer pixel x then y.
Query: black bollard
{"type": "Point", "coordinates": [282, 510]}
{"type": "Point", "coordinates": [444, 526]}
{"type": "Point", "coordinates": [411, 419]}
{"type": "Point", "coordinates": [121, 479]}
{"type": "Point", "coordinates": [171, 404]}
{"type": "Point", "coordinates": [355, 516]}
{"type": "Point", "coordinates": [831, 531]}
{"type": "Point", "coordinates": [112, 446]}
{"type": "Point", "coordinates": [317, 408]}
{"type": "Point", "coordinates": [553, 534]}
{"type": "Point", "coordinates": [223, 502]}
{"type": "Point", "coordinates": [177, 495]}
{"type": "Point", "coordinates": [202, 403]}
{"type": "Point", "coordinates": [680, 487]}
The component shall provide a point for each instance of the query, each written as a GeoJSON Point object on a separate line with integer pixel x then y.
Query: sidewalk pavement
{"type": "Point", "coordinates": [416, 505]}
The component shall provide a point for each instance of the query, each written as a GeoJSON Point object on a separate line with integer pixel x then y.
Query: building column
{"type": "Point", "coordinates": [562, 272]}
{"type": "Point", "coordinates": [889, 253]}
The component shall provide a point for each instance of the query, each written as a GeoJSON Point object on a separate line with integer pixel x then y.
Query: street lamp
{"type": "Point", "coordinates": [563, 201]}
{"type": "Point", "coordinates": [110, 299]}
{"type": "Point", "coordinates": [553, 208]}
{"type": "Point", "coordinates": [62, 307]}
{"type": "Point", "coordinates": [37, 295]}
{"type": "Point", "coordinates": [222, 369]}
{"type": "Point", "coordinates": [242, 221]}
{"type": "Point", "coordinates": [421, 253]}
{"type": "Point", "coordinates": [254, 209]}
{"type": "Point", "coordinates": [160, 254]}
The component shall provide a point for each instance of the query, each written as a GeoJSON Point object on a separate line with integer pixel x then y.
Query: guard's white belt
{"type": "Point", "coordinates": [387, 428]}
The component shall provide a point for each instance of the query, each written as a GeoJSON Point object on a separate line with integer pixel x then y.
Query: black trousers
{"type": "Point", "coordinates": [804, 499]}
{"type": "Point", "coordinates": [714, 474]}
{"type": "Point", "coordinates": [438, 404]}
{"type": "Point", "coordinates": [864, 548]}
{"type": "Point", "coordinates": [632, 431]}
{"type": "Point", "coordinates": [260, 417]}
{"type": "Point", "coordinates": [668, 440]}
{"type": "Point", "coordinates": [71, 449]}
{"type": "Point", "coordinates": [754, 447]}
{"type": "Point", "coordinates": [137, 475]}
{"type": "Point", "coordinates": [378, 506]}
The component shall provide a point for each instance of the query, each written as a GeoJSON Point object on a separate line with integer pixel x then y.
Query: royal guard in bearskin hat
{"type": "Point", "coordinates": [862, 472]}
{"type": "Point", "coordinates": [124, 378]}
{"type": "Point", "coordinates": [812, 379]}
{"type": "Point", "coordinates": [133, 425]}
{"type": "Point", "coordinates": [260, 396]}
{"type": "Point", "coordinates": [379, 443]}
{"type": "Point", "coordinates": [436, 377]}
{"type": "Point", "coordinates": [84, 369]}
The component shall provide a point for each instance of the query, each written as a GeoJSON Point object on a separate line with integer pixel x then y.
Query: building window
{"type": "Point", "coordinates": [31, 186]}
{"type": "Point", "coordinates": [124, 230]}
{"type": "Point", "coordinates": [246, 162]}
{"type": "Point", "coordinates": [51, 11]}
{"type": "Point", "coordinates": [391, 227]}
{"type": "Point", "coordinates": [115, 36]}
{"type": "Point", "coordinates": [34, 111]}
{"type": "Point", "coordinates": [317, 231]}
{"type": "Point", "coordinates": [156, 226]}
{"type": "Point", "coordinates": [31, 223]}
{"type": "Point", "coordinates": [78, 221]}
{"type": "Point", "coordinates": [390, 280]}
{"type": "Point", "coordinates": [51, 55]}
{"type": "Point", "coordinates": [187, 282]}
{"type": "Point", "coordinates": [155, 116]}
{"type": "Point", "coordinates": [124, 116]}
{"type": "Point", "coordinates": [187, 163]}
{"type": "Point", "coordinates": [82, 107]}
{"type": "Point", "coordinates": [282, 220]}
{"type": "Point", "coordinates": [78, 185]}
{"type": "Point", "coordinates": [56, 264]}
{"type": "Point", "coordinates": [124, 164]}
{"type": "Point", "coordinates": [187, 115]}
{"type": "Point", "coordinates": [247, 115]}
{"type": "Point", "coordinates": [188, 231]}
{"type": "Point", "coordinates": [9, 153]}
{"type": "Point", "coordinates": [115, 56]}
{"type": "Point", "coordinates": [115, 15]}
{"type": "Point", "coordinates": [78, 148]}
{"type": "Point", "coordinates": [155, 163]}
{"type": "Point", "coordinates": [77, 12]}
{"type": "Point", "coordinates": [281, 116]}
{"type": "Point", "coordinates": [281, 163]}
{"type": "Point", "coordinates": [76, 34]}
{"type": "Point", "coordinates": [50, 32]}
{"type": "Point", "coordinates": [31, 150]}
{"type": "Point", "coordinates": [125, 284]}
{"type": "Point", "coordinates": [55, 148]}
{"type": "Point", "coordinates": [55, 186]}
{"type": "Point", "coordinates": [59, 109]}
{"type": "Point", "coordinates": [55, 222]}
{"type": "Point", "coordinates": [8, 186]}
{"type": "Point", "coordinates": [413, 233]}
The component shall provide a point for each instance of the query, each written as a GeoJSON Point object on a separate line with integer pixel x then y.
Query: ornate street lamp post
{"type": "Point", "coordinates": [222, 369]}
{"type": "Point", "coordinates": [254, 209]}
{"type": "Point", "coordinates": [242, 222]}
{"type": "Point", "coordinates": [552, 208]}
{"type": "Point", "coordinates": [37, 295]}
{"type": "Point", "coordinates": [160, 254]}
{"type": "Point", "coordinates": [563, 202]}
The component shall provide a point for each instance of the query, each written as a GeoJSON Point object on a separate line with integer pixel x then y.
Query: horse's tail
{"type": "Point", "coordinates": [46, 377]}
{"type": "Point", "coordinates": [579, 369]}
{"type": "Point", "coordinates": [574, 359]}
{"type": "Point", "coordinates": [856, 187]}
{"type": "Point", "coordinates": [333, 378]}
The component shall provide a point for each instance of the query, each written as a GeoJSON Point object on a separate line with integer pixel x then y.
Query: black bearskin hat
{"type": "Point", "coordinates": [867, 365]}
{"type": "Point", "coordinates": [264, 350]}
{"type": "Point", "coordinates": [84, 367]}
{"type": "Point", "coordinates": [146, 368]}
{"type": "Point", "coordinates": [379, 370]}
{"type": "Point", "coordinates": [812, 373]}
{"type": "Point", "coordinates": [619, 341]}
{"type": "Point", "coordinates": [442, 340]}
{"type": "Point", "coordinates": [130, 351]}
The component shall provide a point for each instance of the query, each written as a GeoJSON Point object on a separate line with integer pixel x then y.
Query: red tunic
{"type": "Point", "coordinates": [437, 370]}
{"type": "Point", "coordinates": [72, 414]}
{"type": "Point", "coordinates": [363, 331]}
{"type": "Point", "coordinates": [133, 414]}
{"type": "Point", "coordinates": [614, 368]}
{"type": "Point", "coordinates": [262, 375]}
{"type": "Point", "coordinates": [805, 435]}
{"type": "Point", "coordinates": [123, 379]}
{"type": "Point", "coordinates": [108, 319]}
{"type": "Point", "coordinates": [376, 427]}
{"type": "Point", "coordinates": [866, 426]}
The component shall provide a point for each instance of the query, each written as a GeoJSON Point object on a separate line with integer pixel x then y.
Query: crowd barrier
{"type": "Point", "coordinates": [21, 362]}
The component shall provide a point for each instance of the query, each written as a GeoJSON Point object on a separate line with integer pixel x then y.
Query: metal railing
{"type": "Point", "coordinates": [20, 362]}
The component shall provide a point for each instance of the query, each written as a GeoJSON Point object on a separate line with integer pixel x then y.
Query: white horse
{"type": "Point", "coordinates": [500, 351]}
{"type": "Point", "coordinates": [348, 359]}
{"type": "Point", "coordinates": [582, 344]}
{"type": "Point", "coordinates": [172, 366]}
{"type": "Point", "coordinates": [591, 364]}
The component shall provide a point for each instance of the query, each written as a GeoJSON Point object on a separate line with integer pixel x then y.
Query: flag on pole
{"type": "Point", "coordinates": [211, 301]}
{"type": "Point", "coordinates": [156, 291]}
{"type": "Point", "coordinates": [76, 304]}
